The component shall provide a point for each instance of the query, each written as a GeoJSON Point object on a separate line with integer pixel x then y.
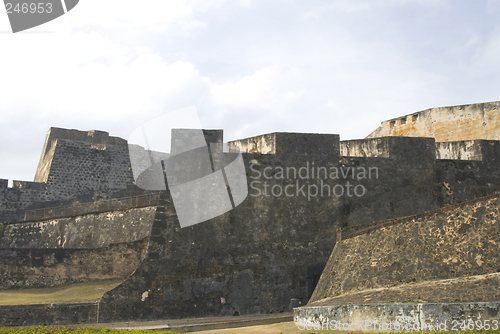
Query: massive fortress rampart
{"type": "Point", "coordinates": [452, 242]}
{"type": "Point", "coordinates": [252, 259]}
{"type": "Point", "coordinates": [433, 271]}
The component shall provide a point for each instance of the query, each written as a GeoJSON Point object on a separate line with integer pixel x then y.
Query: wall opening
{"type": "Point", "coordinates": [313, 275]}
{"type": "Point", "coordinates": [403, 120]}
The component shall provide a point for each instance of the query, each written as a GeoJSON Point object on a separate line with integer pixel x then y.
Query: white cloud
{"type": "Point", "coordinates": [83, 81]}
{"type": "Point", "coordinates": [487, 55]}
{"type": "Point", "coordinates": [342, 6]}
{"type": "Point", "coordinates": [267, 88]}
{"type": "Point", "coordinates": [493, 6]}
{"type": "Point", "coordinates": [355, 6]}
{"type": "Point", "coordinates": [250, 67]}
{"type": "Point", "coordinates": [146, 16]}
{"type": "Point", "coordinates": [89, 74]}
{"type": "Point", "coordinates": [245, 3]}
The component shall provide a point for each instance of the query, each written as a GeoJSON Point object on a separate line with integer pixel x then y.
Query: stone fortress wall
{"type": "Point", "coordinates": [452, 242]}
{"type": "Point", "coordinates": [256, 257]}
{"type": "Point", "coordinates": [436, 267]}
{"type": "Point", "coordinates": [456, 123]}
{"type": "Point", "coordinates": [98, 140]}
{"type": "Point", "coordinates": [74, 234]}
{"type": "Point", "coordinates": [74, 165]}
{"type": "Point", "coordinates": [80, 248]}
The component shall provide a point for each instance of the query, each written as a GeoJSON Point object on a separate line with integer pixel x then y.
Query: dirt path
{"type": "Point", "coordinates": [281, 328]}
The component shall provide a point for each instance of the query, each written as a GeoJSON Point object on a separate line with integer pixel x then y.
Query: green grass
{"type": "Point", "coordinates": [72, 330]}
{"type": "Point", "coordinates": [72, 293]}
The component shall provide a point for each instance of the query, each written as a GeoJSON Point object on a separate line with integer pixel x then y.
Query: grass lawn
{"type": "Point", "coordinates": [71, 293]}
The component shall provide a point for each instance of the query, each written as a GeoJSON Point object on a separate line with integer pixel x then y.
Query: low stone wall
{"type": "Point", "coordinates": [49, 314]}
{"type": "Point", "coordinates": [399, 317]}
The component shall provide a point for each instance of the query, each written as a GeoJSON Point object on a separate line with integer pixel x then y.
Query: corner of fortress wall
{"type": "Point", "coordinates": [92, 136]}
{"type": "Point", "coordinates": [92, 157]}
{"type": "Point", "coordinates": [73, 165]}
{"type": "Point", "coordinates": [84, 166]}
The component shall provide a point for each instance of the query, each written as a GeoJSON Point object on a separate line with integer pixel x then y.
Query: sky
{"type": "Point", "coordinates": [249, 67]}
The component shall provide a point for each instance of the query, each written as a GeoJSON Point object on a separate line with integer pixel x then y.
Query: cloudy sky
{"type": "Point", "coordinates": [249, 66]}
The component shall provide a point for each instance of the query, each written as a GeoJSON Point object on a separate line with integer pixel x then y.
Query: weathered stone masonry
{"type": "Point", "coordinates": [255, 258]}
{"type": "Point", "coordinates": [252, 259]}
{"type": "Point", "coordinates": [456, 241]}
{"type": "Point", "coordinates": [82, 248]}
{"type": "Point", "coordinates": [456, 123]}
{"type": "Point", "coordinates": [75, 165]}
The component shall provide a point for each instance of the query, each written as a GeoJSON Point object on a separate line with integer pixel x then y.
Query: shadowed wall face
{"type": "Point", "coordinates": [82, 248]}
